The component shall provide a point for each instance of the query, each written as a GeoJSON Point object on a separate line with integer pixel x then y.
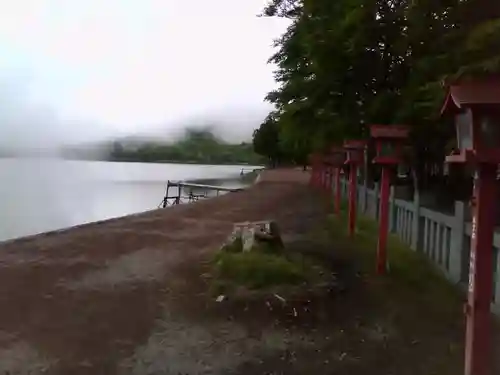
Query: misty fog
{"type": "Point", "coordinates": [76, 72]}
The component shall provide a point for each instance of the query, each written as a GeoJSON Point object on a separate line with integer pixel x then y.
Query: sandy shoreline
{"type": "Point", "coordinates": [87, 299]}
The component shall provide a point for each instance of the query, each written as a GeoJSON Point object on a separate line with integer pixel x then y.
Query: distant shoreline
{"type": "Point", "coordinates": [55, 157]}
{"type": "Point", "coordinates": [175, 162]}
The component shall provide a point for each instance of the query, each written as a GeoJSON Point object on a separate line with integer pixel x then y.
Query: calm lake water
{"type": "Point", "coordinates": [38, 195]}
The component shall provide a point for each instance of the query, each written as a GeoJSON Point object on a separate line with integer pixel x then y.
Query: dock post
{"type": "Point", "coordinates": [165, 200]}
{"type": "Point", "coordinates": [178, 199]}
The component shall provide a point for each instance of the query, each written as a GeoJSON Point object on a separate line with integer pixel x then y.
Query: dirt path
{"type": "Point", "coordinates": [99, 298]}
{"type": "Point", "coordinates": [130, 297]}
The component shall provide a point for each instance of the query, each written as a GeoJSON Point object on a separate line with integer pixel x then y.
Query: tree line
{"type": "Point", "coordinates": [198, 146]}
{"type": "Point", "coordinates": [345, 64]}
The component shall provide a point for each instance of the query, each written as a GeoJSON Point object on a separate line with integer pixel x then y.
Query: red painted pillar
{"type": "Point", "coordinates": [324, 185]}
{"type": "Point", "coordinates": [314, 174]}
{"type": "Point", "coordinates": [324, 181]}
{"type": "Point", "coordinates": [330, 182]}
{"type": "Point", "coordinates": [327, 178]}
{"type": "Point", "coordinates": [478, 360]}
{"type": "Point", "coordinates": [337, 191]}
{"type": "Point", "coordinates": [318, 176]}
{"type": "Point", "coordinates": [331, 176]}
{"type": "Point", "coordinates": [383, 221]}
{"type": "Point", "coordinates": [352, 198]}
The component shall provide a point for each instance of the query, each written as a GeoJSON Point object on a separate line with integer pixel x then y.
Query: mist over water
{"type": "Point", "coordinates": [76, 72]}
{"type": "Point", "coordinates": [80, 75]}
{"type": "Point", "coordinates": [39, 195]}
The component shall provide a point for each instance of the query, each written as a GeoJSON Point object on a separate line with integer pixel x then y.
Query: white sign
{"type": "Point", "coordinates": [472, 269]}
{"type": "Point", "coordinates": [474, 228]}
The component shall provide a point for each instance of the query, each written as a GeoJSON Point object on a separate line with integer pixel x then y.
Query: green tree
{"type": "Point", "coordinates": [266, 140]}
{"type": "Point", "coordinates": [197, 146]}
{"type": "Point", "coordinates": [345, 64]}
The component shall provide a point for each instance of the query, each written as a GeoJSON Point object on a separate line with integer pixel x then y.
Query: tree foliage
{"type": "Point", "coordinates": [197, 146]}
{"type": "Point", "coordinates": [266, 140]}
{"type": "Point", "coordinates": [344, 64]}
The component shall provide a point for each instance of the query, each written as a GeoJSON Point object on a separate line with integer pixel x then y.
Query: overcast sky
{"type": "Point", "coordinates": [75, 70]}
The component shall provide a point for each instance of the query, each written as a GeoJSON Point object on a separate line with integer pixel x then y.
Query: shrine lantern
{"type": "Point", "coordinates": [475, 108]}
{"type": "Point", "coordinates": [389, 141]}
{"type": "Point", "coordinates": [355, 150]}
{"type": "Point", "coordinates": [317, 166]}
{"type": "Point", "coordinates": [337, 157]}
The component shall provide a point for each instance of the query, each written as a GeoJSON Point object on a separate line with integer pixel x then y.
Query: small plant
{"type": "Point", "coordinates": [256, 269]}
{"type": "Point", "coordinates": [234, 246]}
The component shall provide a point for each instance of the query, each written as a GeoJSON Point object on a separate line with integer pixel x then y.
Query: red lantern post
{"type": "Point", "coordinates": [476, 108]}
{"type": "Point", "coordinates": [336, 159]}
{"type": "Point", "coordinates": [325, 173]}
{"type": "Point", "coordinates": [329, 180]}
{"type": "Point", "coordinates": [325, 182]}
{"type": "Point", "coordinates": [355, 154]}
{"type": "Point", "coordinates": [315, 170]}
{"type": "Point", "coordinates": [389, 141]}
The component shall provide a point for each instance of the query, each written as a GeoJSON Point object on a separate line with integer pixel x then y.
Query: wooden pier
{"type": "Point", "coordinates": [249, 170]}
{"type": "Point", "coordinates": [195, 192]}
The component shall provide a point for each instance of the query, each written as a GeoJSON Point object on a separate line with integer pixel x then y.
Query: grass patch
{"type": "Point", "coordinates": [260, 270]}
{"type": "Point", "coordinates": [233, 247]}
{"type": "Point", "coordinates": [414, 297]}
{"type": "Point", "coordinates": [410, 273]}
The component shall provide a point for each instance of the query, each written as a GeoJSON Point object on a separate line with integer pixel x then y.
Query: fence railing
{"type": "Point", "coordinates": [443, 238]}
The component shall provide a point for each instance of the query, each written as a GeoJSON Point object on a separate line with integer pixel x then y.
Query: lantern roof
{"type": "Point", "coordinates": [472, 93]}
{"type": "Point", "coordinates": [358, 144]}
{"type": "Point", "coordinates": [389, 131]}
{"type": "Point", "coordinates": [337, 149]}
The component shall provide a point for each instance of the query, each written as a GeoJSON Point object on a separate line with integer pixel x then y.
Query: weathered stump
{"type": "Point", "coordinates": [250, 236]}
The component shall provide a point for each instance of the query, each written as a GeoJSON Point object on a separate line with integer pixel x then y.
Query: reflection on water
{"type": "Point", "coordinates": [42, 195]}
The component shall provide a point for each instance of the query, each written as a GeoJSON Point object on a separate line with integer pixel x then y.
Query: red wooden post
{"type": "Point", "coordinates": [476, 107]}
{"type": "Point", "coordinates": [324, 185]}
{"type": "Point", "coordinates": [389, 140]}
{"type": "Point", "coordinates": [315, 172]}
{"type": "Point", "coordinates": [320, 172]}
{"type": "Point", "coordinates": [313, 161]}
{"type": "Point", "coordinates": [327, 177]}
{"type": "Point", "coordinates": [330, 183]}
{"type": "Point", "coordinates": [318, 175]}
{"type": "Point", "coordinates": [383, 221]}
{"type": "Point", "coordinates": [321, 175]}
{"type": "Point", "coordinates": [355, 153]}
{"type": "Point", "coordinates": [353, 185]}
{"type": "Point", "coordinates": [335, 160]}
{"type": "Point", "coordinates": [337, 190]}
{"type": "Point", "coordinates": [478, 339]}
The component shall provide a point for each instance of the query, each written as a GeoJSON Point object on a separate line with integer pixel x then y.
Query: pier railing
{"type": "Point", "coordinates": [178, 192]}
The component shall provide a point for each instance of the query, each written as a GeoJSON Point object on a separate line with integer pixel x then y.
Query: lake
{"type": "Point", "coordinates": [39, 195]}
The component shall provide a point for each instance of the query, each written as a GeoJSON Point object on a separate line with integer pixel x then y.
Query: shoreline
{"type": "Point", "coordinates": [86, 299]}
{"type": "Point", "coordinates": [51, 233]}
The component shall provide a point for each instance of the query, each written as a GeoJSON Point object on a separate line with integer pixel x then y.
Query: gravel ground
{"type": "Point", "coordinates": [102, 298]}
{"type": "Point", "coordinates": [130, 296]}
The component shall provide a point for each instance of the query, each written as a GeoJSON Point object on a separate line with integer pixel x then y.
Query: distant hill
{"type": "Point", "coordinates": [195, 146]}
